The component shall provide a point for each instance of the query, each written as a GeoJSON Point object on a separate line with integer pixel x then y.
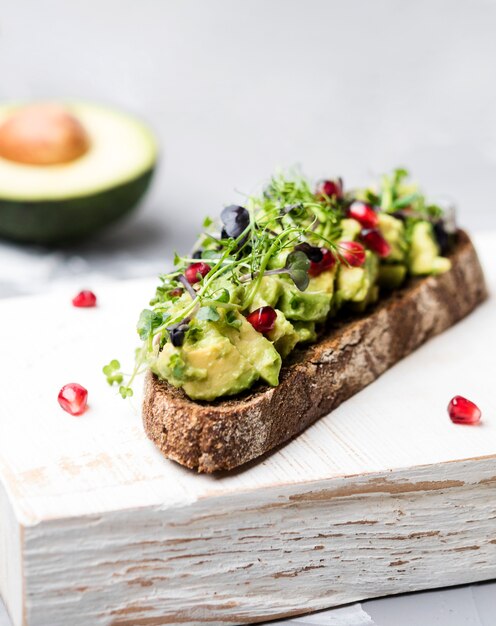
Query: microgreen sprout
{"type": "Point", "coordinates": [296, 267]}
{"type": "Point", "coordinates": [187, 285]}
{"type": "Point", "coordinates": [114, 376]}
{"type": "Point", "coordinates": [113, 373]}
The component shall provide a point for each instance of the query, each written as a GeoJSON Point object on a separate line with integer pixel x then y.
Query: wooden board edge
{"type": "Point", "coordinates": [12, 587]}
{"type": "Point", "coordinates": [220, 561]}
{"type": "Point", "coordinates": [406, 469]}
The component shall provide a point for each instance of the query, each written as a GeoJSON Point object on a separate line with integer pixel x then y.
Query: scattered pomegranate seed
{"type": "Point", "coordinates": [84, 298]}
{"type": "Point", "coordinates": [196, 271]}
{"type": "Point", "coordinates": [73, 398]}
{"type": "Point", "coordinates": [374, 240]}
{"type": "Point", "coordinates": [330, 188]}
{"type": "Point", "coordinates": [352, 253]}
{"type": "Point", "coordinates": [364, 214]}
{"type": "Point", "coordinates": [263, 319]}
{"type": "Point", "coordinates": [328, 261]}
{"type": "Point", "coordinates": [463, 411]}
{"type": "Point", "coordinates": [176, 293]}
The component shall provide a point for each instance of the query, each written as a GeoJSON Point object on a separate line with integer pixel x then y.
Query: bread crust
{"type": "Point", "coordinates": [353, 352]}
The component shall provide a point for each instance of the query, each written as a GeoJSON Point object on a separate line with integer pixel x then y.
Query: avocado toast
{"type": "Point", "coordinates": [290, 305]}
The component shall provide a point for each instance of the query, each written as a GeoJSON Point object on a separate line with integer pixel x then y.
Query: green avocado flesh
{"type": "Point", "coordinates": [273, 273]}
{"type": "Point", "coordinates": [50, 204]}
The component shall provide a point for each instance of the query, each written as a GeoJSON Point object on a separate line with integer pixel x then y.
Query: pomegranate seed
{"type": "Point", "coordinates": [73, 398]}
{"type": "Point", "coordinates": [463, 411]}
{"type": "Point", "coordinates": [263, 319]}
{"type": "Point", "coordinates": [330, 188]}
{"type": "Point", "coordinates": [374, 240]}
{"type": "Point", "coordinates": [84, 298]}
{"type": "Point", "coordinates": [196, 271]}
{"type": "Point", "coordinates": [364, 214]}
{"type": "Point", "coordinates": [327, 262]}
{"type": "Point", "coordinates": [352, 253]}
{"type": "Point", "coordinates": [176, 293]}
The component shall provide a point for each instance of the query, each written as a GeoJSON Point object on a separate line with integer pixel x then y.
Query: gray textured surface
{"type": "Point", "coordinates": [236, 88]}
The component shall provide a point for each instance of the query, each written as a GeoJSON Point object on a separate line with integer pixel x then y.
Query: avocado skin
{"type": "Point", "coordinates": [53, 222]}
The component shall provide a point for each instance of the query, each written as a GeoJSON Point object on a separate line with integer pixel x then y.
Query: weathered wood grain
{"type": "Point", "coordinates": [96, 527]}
{"type": "Point", "coordinates": [252, 557]}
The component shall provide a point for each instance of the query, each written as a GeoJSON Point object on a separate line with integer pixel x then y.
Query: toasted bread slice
{"type": "Point", "coordinates": [351, 354]}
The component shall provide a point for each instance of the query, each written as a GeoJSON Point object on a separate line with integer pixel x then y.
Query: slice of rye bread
{"type": "Point", "coordinates": [350, 354]}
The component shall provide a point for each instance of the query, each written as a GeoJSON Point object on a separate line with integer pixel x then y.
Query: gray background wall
{"type": "Point", "coordinates": [236, 88]}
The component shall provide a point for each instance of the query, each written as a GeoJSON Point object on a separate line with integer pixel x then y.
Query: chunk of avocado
{"type": "Point", "coordinates": [351, 283]}
{"type": "Point", "coordinates": [350, 229]}
{"type": "Point", "coordinates": [254, 347]}
{"type": "Point", "coordinates": [391, 276]}
{"type": "Point", "coordinates": [324, 282]}
{"type": "Point", "coordinates": [371, 296]}
{"type": "Point", "coordinates": [424, 255]}
{"type": "Point", "coordinates": [306, 331]}
{"type": "Point", "coordinates": [355, 283]}
{"type": "Point", "coordinates": [393, 231]}
{"type": "Point", "coordinates": [207, 369]}
{"type": "Point", "coordinates": [268, 292]}
{"type": "Point", "coordinates": [53, 201]}
{"type": "Point", "coordinates": [283, 335]}
{"type": "Point", "coordinates": [306, 306]}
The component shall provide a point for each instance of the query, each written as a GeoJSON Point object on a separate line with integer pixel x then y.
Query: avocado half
{"type": "Point", "coordinates": [57, 202]}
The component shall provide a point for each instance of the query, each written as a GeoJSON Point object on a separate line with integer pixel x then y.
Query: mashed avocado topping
{"type": "Point", "coordinates": [268, 275]}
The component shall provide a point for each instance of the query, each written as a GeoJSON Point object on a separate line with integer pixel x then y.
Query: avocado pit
{"type": "Point", "coordinates": [43, 134]}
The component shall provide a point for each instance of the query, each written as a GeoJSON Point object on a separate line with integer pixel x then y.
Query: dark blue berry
{"type": "Point", "coordinates": [177, 333]}
{"type": "Point", "coordinates": [442, 236]}
{"type": "Point", "coordinates": [313, 253]}
{"type": "Point", "coordinates": [235, 219]}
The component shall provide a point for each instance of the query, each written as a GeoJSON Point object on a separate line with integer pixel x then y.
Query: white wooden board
{"type": "Point", "coordinates": [96, 527]}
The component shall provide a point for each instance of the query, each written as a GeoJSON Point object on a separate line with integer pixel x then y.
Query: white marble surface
{"type": "Point", "coordinates": [235, 89]}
